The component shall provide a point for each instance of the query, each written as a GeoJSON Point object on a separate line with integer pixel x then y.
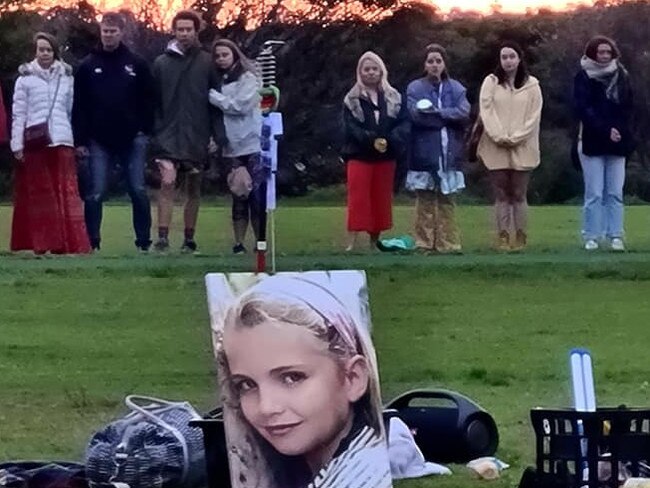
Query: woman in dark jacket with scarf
{"type": "Point", "coordinates": [375, 122]}
{"type": "Point", "coordinates": [439, 113]}
{"type": "Point", "coordinates": [603, 102]}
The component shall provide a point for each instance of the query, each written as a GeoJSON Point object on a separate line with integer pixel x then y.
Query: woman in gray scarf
{"type": "Point", "coordinates": [603, 102]}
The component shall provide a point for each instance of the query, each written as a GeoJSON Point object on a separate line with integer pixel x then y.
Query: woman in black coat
{"type": "Point", "coordinates": [603, 102]}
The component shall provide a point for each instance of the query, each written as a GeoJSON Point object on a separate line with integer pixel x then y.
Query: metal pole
{"type": "Point", "coordinates": [266, 64]}
{"type": "Point", "coordinates": [261, 231]}
{"type": "Point", "coordinates": [272, 241]}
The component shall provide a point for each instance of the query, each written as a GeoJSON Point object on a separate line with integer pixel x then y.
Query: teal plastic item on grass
{"type": "Point", "coordinates": [396, 244]}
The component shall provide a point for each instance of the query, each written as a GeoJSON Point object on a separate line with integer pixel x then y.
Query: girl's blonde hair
{"type": "Point", "coordinates": [304, 303]}
{"type": "Point", "coordinates": [384, 85]}
{"type": "Point", "coordinates": [359, 90]}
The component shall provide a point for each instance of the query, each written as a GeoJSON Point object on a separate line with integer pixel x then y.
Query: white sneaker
{"type": "Point", "coordinates": [617, 244]}
{"type": "Point", "coordinates": [591, 245]}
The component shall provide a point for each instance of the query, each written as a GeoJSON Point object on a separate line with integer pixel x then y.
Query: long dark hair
{"type": "Point", "coordinates": [241, 64]}
{"type": "Point", "coordinates": [522, 70]}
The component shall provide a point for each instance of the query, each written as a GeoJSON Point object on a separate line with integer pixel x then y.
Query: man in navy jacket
{"type": "Point", "coordinates": [112, 120]}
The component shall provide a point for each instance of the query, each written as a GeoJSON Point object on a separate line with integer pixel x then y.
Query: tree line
{"type": "Point", "coordinates": [316, 67]}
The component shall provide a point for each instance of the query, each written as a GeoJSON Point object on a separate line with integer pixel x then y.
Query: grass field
{"type": "Point", "coordinates": [78, 334]}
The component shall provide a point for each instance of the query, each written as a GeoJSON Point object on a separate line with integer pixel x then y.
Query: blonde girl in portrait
{"type": "Point", "coordinates": [300, 391]}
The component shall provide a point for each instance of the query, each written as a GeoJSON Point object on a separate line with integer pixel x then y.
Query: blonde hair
{"type": "Point", "coordinates": [303, 303]}
{"type": "Point", "coordinates": [384, 85]}
{"type": "Point", "coordinates": [360, 90]}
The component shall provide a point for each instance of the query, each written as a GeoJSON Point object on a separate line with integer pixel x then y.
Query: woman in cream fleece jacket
{"type": "Point", "coordinates": [510, 109]}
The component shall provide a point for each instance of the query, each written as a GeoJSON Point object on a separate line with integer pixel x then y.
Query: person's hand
{"type": "Point", "coordinates": [83, 152]}
{"type": "Point", "coordinates": [167, 171]}
{"type": "Point", "coordinates": [508, 142]}
{"type": "Point", "coordinates": [213, 146]}
{"type": "Point", "coordinates": [18, 155]}
{"type": "Point", "coordinates": [615, 135]}
{"type": "Point", "coordinates": [381, 145]}
{"type": "Point", "coordinates": [503, 142]}
{"type": "Point", "coordinates": [215, 96]}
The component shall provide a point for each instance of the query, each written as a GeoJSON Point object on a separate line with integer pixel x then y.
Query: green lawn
{"type": "Point", "coordinates": [78, 334]}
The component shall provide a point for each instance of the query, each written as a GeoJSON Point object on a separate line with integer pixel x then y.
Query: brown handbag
{"type": "Point", "coordinates": [37, 136]}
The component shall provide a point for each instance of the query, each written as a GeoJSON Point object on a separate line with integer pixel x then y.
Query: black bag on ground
{"type": "Point", "coordinates": [42, 474]}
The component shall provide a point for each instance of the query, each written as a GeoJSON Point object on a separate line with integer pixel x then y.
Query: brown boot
{"type": "Point", "coordinates": [521, 239]}
{"type": "Point", "coordinates": [503, 241]}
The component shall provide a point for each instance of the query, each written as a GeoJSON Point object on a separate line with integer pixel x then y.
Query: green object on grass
{"type": "Point", "coordinates": [402, 243]}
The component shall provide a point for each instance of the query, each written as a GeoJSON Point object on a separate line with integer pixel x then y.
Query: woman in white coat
{"type": "Point", "coordinates": [48, 212]}
{"type": "Point", "coordinates": [239, 100]}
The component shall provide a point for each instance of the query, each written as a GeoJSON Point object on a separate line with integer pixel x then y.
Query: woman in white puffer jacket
{"type": "Point", "coordinates": [48, 212]}
{"type": "Point", "coordinates": [239, 100]}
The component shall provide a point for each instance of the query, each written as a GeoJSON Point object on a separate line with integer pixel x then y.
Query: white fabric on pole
{"type": "Point", "coordinates": [272, 127]}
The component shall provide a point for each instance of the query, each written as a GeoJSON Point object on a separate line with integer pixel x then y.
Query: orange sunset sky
{"type": "Point", "coordinates": [294, 10]}
{"type": "Point", "coordinates": [444, 5]}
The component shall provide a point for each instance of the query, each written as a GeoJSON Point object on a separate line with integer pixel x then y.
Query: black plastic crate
{"type": "Point", "coordinates": [610, 438]}
{"type": "Point", "coordinates": [216, 450]}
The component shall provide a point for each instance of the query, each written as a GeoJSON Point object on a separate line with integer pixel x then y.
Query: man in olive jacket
{"type": "Point", "coordinates": [184, 123]}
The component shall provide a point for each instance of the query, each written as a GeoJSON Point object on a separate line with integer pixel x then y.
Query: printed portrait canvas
{"type": "Point", "coordinates": [298, 380]}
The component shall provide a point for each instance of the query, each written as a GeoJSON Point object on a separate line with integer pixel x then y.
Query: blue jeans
{"type": "Point", "coordinates": [604, 177]}
{"type": "Point", "coordinates": [132, 159]}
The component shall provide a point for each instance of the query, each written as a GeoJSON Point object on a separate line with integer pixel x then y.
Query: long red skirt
{"type": "Point", "coordinates": [48, 212]}
{"type": "Point", "coordinates": [370, 196]}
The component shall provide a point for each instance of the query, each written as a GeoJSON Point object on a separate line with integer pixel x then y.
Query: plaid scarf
{"type": "Point", "coordinates": [605, 73]}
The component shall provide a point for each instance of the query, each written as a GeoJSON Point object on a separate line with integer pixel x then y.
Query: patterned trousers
{"type": "Point", "coordinates": [435, 222]}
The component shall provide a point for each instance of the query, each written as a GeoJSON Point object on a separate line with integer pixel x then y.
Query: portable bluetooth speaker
{"type": "Point", "coordinates": [448, 427]}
